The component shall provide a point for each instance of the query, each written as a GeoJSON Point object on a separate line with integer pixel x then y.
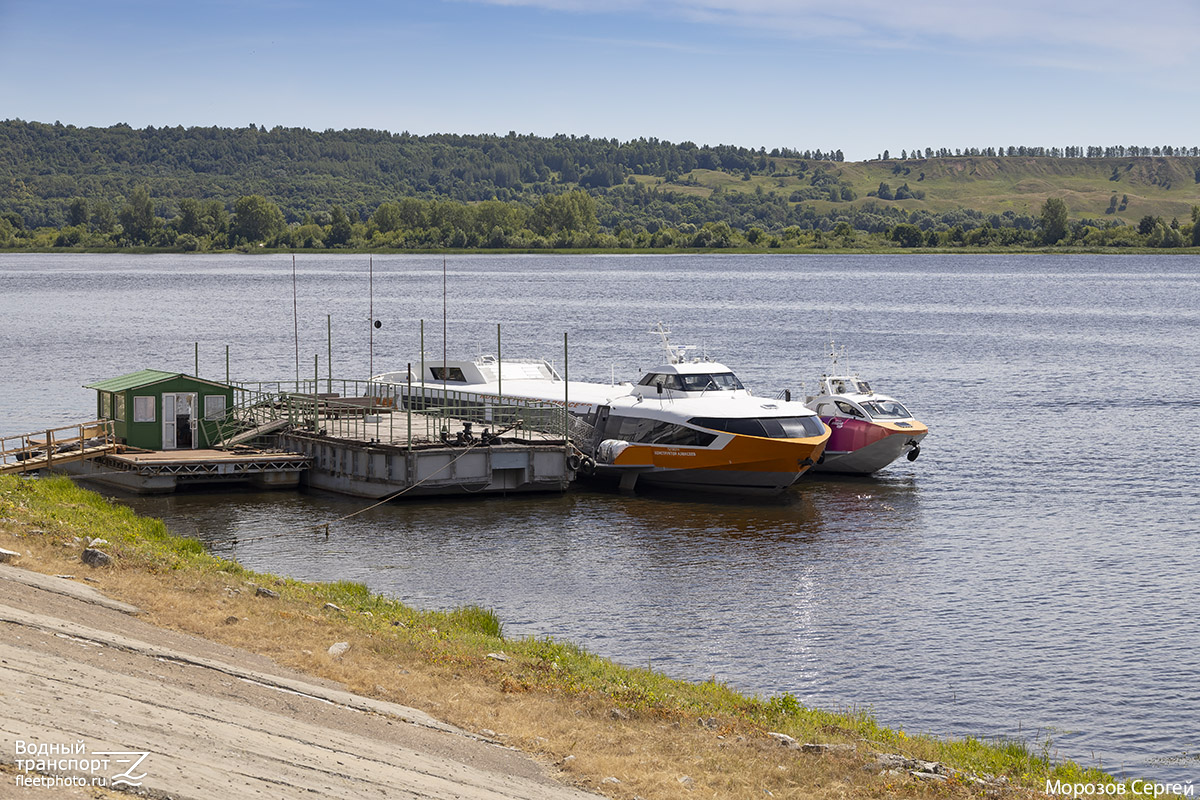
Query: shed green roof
{"type": "Point", "coordinates": [145, 377]}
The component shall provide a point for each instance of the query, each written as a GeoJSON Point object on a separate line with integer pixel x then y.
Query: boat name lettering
{"type": "Point", "coordinates": [674, 452]}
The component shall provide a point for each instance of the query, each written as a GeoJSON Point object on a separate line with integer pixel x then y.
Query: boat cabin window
{"type": "Point", "coordinates": [849, 410]}
{"type": "Point", "coordinates": [649, 431]}
{"type": "Point", "coordinates": [667, 381]}
{"type": "Point", "coordinates": [449, 374]}
{"type": "Point", "coordinates": [712, 381]}
{"type": "Point", "coordinates": [767, 427]}
{"type": "Point", "coordinates": [886, 409]}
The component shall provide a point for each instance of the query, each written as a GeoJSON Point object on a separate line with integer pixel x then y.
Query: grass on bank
{"type": "Point", "coordinates": [582, 714]}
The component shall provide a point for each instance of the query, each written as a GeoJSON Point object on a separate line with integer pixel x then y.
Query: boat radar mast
{"type": "Point", "coordinates": [835, 354]}
{"type": "Point", "coordinates": [676, 354]}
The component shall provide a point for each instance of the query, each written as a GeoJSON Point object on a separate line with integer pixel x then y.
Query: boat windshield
{"type": "Point", "coordinates": [886, 409]}
{"type": "Point", "coordinates": [768, 427]}
{"type": "Point", "coordinates": [712, 382]}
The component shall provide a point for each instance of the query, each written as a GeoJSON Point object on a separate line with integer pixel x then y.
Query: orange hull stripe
{"type": "Point", "coordinates": [748, 453]}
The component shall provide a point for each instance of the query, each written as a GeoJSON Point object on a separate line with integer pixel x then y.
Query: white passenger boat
{"type": "Point", "coordinates": [868, 430]}
{"type": "Point", "coordinates": [686, 424]}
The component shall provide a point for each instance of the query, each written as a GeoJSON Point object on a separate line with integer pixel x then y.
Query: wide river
{"type": "Point", "coordinates": [1034, 574]}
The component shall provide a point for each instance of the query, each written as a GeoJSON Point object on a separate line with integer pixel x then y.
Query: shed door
{"type": "Point", "coordinates": [168, 421]}
{"type": "Point", "coordinates": [179, 421]}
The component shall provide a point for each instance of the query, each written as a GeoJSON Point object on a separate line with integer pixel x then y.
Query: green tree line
{"type": "Point", "coordinates": [305, 171]}
{"type": "Point", "coordinates": [1024, 151]}
{"type": "Point", "coordinates": [576, 219]}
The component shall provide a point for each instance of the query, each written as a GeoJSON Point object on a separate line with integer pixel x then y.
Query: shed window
{"type": "Point", "coordinates": [106, 405]}
{"type": "Point", "coordinates": [119, 406]}
{"type": "Point", "coordinates": [143, 409]}
{"type": "Point", "coordinates": [214, 406]}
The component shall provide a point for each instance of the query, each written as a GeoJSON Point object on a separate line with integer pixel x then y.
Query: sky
{"type": "Point", "coordinates": [862, 76]}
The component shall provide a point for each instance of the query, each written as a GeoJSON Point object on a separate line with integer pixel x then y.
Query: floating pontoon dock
{"type": "Point", "coordinates": [357, 441]}
{"type": "Point", "coordinates": [164, 471]}
{"type": "Point", "coordinates": [370, 446]}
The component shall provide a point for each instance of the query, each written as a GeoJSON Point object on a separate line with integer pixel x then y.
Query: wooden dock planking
{"type": "Point", "coordinates": [201, 456]}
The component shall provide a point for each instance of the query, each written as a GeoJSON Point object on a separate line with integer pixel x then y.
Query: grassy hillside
{"type": "Point", "coordinates": [216, 188]}
{"type": "Point", "coordinates": [1163, 186]}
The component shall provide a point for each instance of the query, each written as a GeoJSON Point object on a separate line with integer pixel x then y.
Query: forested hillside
{"type": "Point", "coordinates": [212, 188]}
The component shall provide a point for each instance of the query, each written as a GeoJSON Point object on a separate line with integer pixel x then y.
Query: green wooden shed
{"type": "Point", "coordinates": [158, 410]}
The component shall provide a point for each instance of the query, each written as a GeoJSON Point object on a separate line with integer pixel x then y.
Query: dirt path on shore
{"type": "Point", "coordinates": [91, 694]}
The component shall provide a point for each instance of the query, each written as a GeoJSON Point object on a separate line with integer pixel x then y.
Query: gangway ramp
{"type": "Point", "coordinates": [270, 426]}
{"type": "Point", "coordinates": [27, 452]}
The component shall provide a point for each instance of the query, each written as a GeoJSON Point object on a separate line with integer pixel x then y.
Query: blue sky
{"type": "Point", "coordinates": [859, 75]}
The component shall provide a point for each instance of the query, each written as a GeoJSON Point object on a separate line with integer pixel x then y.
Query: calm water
{"type": "Point", "coordinates": [1034, 572]}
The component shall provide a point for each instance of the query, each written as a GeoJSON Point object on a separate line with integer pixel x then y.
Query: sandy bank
{"type": "Point", "coordinates": [215, 722]}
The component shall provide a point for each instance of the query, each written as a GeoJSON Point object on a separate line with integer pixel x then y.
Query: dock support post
{"type": "Point", "coordinates": [329, 358]}
{"type": "Point", "coordinates": [197, 372]}
{"type": "Point", "coordinates": [408, 405]}
{"type": "Point", "coordinates": [316, 387]}
{"type": "Point", "coordinates": [226, 364]}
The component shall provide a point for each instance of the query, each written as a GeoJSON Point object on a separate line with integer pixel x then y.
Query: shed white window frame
{"type": "Point", "coordinates": [214, 409]}
{"type": "Point", "coordinates": [144, 408]}
{"type": "Point", "coordinates": [119, 406]}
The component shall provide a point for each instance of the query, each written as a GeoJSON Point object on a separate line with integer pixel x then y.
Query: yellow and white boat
{"type": "Point", "coordinates": [687, 424]}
